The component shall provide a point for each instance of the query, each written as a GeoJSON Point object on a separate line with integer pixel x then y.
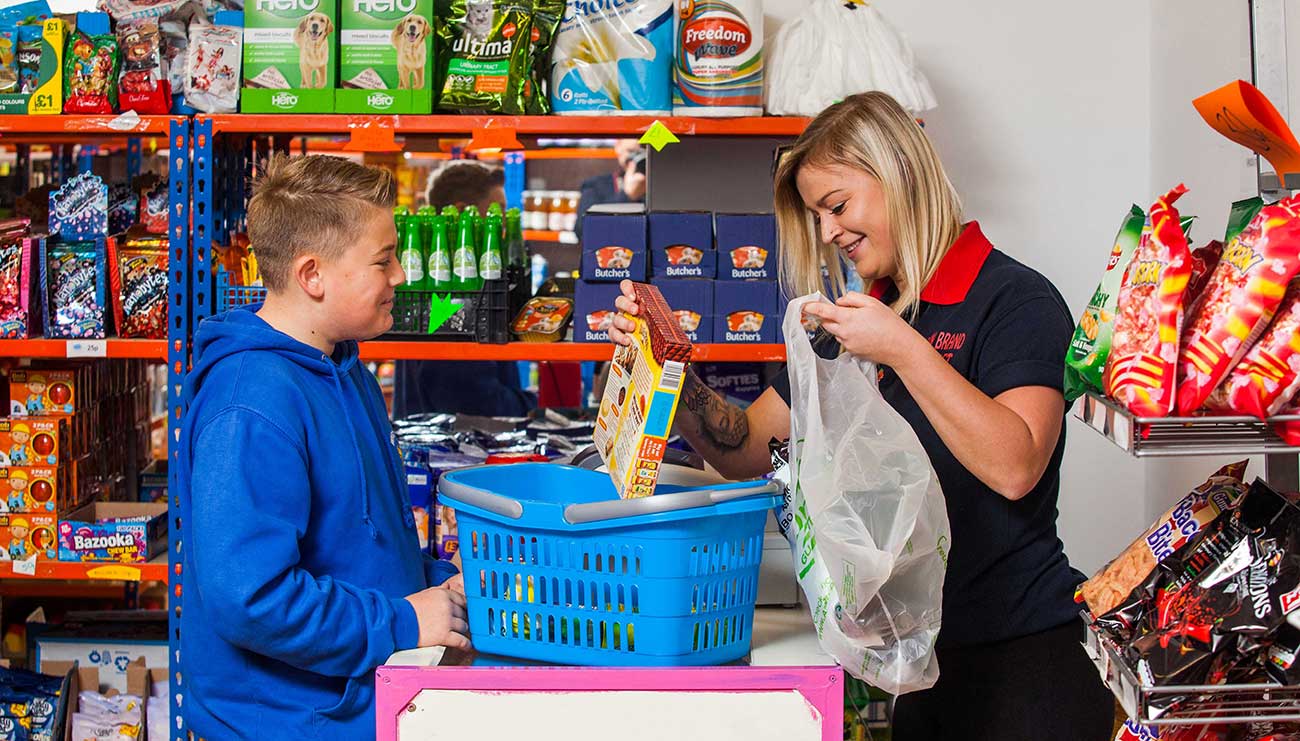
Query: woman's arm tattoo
{"type": "Point", "coordinates": [724, 424]}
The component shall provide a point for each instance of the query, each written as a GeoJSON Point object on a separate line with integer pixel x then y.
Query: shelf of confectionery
{"type": "Point", "coordinates": [521, 125]}
{"type": "Point", "coordinates": [14, 126]}
{"type": "Point", "coordinates": [1162, 437]}
{"type": "Point", "coordinates": [554, 351]}
{"type": "Point", "coordinates": [111, 348]}
{"type": "Point", "coordinates": [155, 570]}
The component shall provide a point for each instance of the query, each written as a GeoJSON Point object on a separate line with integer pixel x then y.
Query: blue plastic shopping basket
{"type": "Point", "coordinates": [559, 569]}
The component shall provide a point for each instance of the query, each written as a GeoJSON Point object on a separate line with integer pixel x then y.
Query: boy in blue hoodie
{"type": "Point", "coordinates": [302, 567]}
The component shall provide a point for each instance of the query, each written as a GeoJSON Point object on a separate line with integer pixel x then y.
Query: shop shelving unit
{"type": "Point", "coordinates": [155, 570]}
{"type": "Point", "coordinates": [555, 352]}
{"type": "Point", "coordinates": [111, 348]}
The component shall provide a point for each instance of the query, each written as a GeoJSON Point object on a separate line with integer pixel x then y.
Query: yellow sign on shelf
{"type": "Point", "coordinates": [114, 573]}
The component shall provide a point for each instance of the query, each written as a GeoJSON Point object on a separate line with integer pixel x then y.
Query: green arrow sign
{"type": "Point", "coordinates": [658, 136]}
{"type": "Point", "coordinates": [441, 308]}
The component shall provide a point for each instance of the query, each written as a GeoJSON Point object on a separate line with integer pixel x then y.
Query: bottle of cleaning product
{"type": "Point", "coordinates": [464, 262]}
{"type": "Point", "coordinates": [490, 262]}
{"type": "Point", "coordinates": [439, 276]}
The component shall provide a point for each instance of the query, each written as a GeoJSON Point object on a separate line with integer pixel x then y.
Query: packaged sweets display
{"type": "Point", "coordinates": [144, 86]}
{"type": "Point", "coordinates": [74, 290]}
{"type": "Point", "coordinates": [484, 56]}
{"type": "Point", "coordinates": [123, 207]}
{"type": "Point", "coordinates": [1113, 586]}
{"type": "Point", "coordinates": [1141, 369]}
{"type": "Point", "coordinates": [1085, 360]}
{"type": "Point", "coordinates": [615, 59]}
{"type": "Point", "coordinates": [139, 286]}
{"type": "Point", "coordinates": [90, 72]}
{"type": "Point", "coordinates": [1204, 261]}
{"type": "Point", "coordinates": [1239, 301]}
{"type": "Point", "coordinates": [212, 67]}
{"type": "Point", "coordinates": [31, 62]}
{"type": "Point", "coordinates": [15, 279]}
{"type": "Point", "coordinates": [154, 211]}
{"type": "Point", "coordinates": [641, 393]}
{"type": "Point", "coordinates": [79, 209]}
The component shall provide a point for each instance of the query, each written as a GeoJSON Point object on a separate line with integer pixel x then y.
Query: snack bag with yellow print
{"type": "Point", "coordinates": [1085, 360]}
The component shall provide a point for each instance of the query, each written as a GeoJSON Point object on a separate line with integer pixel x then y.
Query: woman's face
{"type": "Point", "coordinates": [849, 207]}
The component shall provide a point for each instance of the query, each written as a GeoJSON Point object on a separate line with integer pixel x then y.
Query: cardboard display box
{"type": "Point", "coordinates": [32, 441]}
{"type": "Point", "coordinates": [385, 57]}
{"type": "Point", "coordinates": [138, 534]}
{"type": "Point", "coordinates": [681, 245]}
{"type": "Point", "coordinates": [692, 304]}
{"type": "Point", "coordinates": [613, 247]}
{"type": "Point", "coordinates": [747, 247]}
{"type": "Point", "coordinates": [24, 535]}
{"type": "Point", "coordinates": [593, 310]}
{"type": "Point", "coordinates": [290, 49]}
{"type": "Point", "coordinates": [46, 98]}
{"type": "Point", "coordinates": [745, 311]}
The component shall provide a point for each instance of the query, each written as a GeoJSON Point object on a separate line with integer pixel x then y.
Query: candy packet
{"type": "Point", "coordinates": [213, 68]}
{"type": "Point", "coordinates": [8, 61]}
{"type": "Point", "coordinates": [154, 200]}
{"type": "Point", "coordinates": [79, 209]}
{"type": "Point", "coordinates": [144, 86]}
{"type": "Point", "coordinates": [74, 290]}
{"type": "Point", "coordinates": [1239, 300]}
{"type": "Point", "coordinates": [15, 278]}
{"type": "Point", "coordinates": [1268, 377]}
{"type": "Point", "coordinates": [123, 207]}
{"type": "Point", "coordinates": [139, 286]}
{"type": "Point", "coordinates": [28, 59]}
{"type": "Point", "coordinates": [1204, 261]}
{"type": "Point", "coordinates": [1140, 372]}
{"type": "Point", "coordinates": [90, 71]}
{"type": "Point", "coordinates": [1085, 360]}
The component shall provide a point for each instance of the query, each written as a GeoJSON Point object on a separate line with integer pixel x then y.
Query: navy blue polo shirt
{"type": "Point", "coordinates": [1002, 326]}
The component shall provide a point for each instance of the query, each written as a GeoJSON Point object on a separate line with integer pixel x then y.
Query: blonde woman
{"type": "Point", "coordinates": [971, 347]}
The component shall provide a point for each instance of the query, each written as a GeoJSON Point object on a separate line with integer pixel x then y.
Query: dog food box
{"type": "Point", "coordinates": [385, 56]}
{"type": "Point", "coordinates": [289, 56]}
{"type": "Point", "coordinates": [613, 247]}
{"type": "Point", "coordinates": [681, 245]}
{"type": "Point", "coordinates": [747, 248]}
{"type": "Point", "coordinates": [640, 399]}
{"type": "Point", "coordinates": [593, 310]}
{"type": "Point", "coordinates": [24, 535]}
{"type": "Point", "coordinates": [691, 301]}
{"type": "Point", "coordinates": [39, 87]}
{"type": "Point", "coordinates": [745, 311]}
{"type": "Point", "coordinates": [32, 441]}
{"type": "Point", "coordinates": [121, 532]}
{"type": "Point", "coordinates": [42, 392]}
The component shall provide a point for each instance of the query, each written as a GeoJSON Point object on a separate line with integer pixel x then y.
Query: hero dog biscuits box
{"type": "Point", "coordinates": [613, 247]}
{"type": "Point", "coordinates": [745, 311]}
{"type": "Point", "coordinates": [747, 248]}
{"type": "Point", "coordinates": [640, 399]}
{"type": "Point", "coordinates": [385, 55]}
{"type": "Point", "coordinates": [289, 56]}
{"type": "Point", "coordinates": [681, 245]}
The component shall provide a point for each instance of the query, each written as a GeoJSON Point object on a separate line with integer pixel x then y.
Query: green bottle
{"type": "Point", "coordinates": [516, 253]}
{"type": "Point", "coordinates": [490, 263]}
{"type": "Point", "coordinates": [451, 215]}
{"type": "Point", "coordinates": [439, 255]}
{"type": "Point", "coordinates": [494, 209]}
{"type": "Point", "coordinates": [410, 255]}
{"type": "Point", "coordinates": [399, 221]}
{"type": "Point", "coordinates": [464, 262]}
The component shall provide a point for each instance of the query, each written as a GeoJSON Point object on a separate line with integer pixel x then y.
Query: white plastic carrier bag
{"type": "Point", "coordinates": [865, 518]}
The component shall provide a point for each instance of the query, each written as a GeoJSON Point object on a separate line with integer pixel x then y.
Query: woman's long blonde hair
{"type": "Point", "coordinates": [869, 132]}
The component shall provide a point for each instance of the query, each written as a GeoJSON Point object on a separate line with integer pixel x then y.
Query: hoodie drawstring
{"type": "Point", "coordinates": [356, 448]}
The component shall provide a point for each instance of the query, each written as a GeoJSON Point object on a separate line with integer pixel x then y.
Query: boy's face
{"type": "Point", "coordinates": [359, 285]}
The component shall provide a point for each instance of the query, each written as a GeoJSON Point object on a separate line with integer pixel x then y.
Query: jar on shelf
{"type": "Point", "coordinates": [571, 210]}
{"type": "Point", "coordinates": [537, 211]}
{"type": "Point", "coordinates": [555, 213]}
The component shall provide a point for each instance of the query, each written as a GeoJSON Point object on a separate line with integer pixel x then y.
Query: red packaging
{"type": "Point", "coordinates": [1140, 373]}
{"type": "Point", "coordinates": [1241, 297]}
{"type": "Point", "coordinates": [1204, 260]}
{"type": "Point", "coordinates": [1269, 376]}
{"type": "Point", "coordinates": [143, 85]}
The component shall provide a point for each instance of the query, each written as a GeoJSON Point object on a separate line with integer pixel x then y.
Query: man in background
{"type": "Point", "coordinates": [484, 388]}
{"type": "Point", "coordinates": [625, 185]}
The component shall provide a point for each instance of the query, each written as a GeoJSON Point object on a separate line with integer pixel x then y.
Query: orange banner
{"type": "Point", "coordinates": [1242, 113]}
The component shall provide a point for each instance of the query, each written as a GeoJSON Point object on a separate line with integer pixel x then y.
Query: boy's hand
{"type": "Point", "coordinates": [441, 615]}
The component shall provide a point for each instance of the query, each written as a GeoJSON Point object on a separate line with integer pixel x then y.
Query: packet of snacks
{"type": "Point", "coordinates": [90, 66]}
{"type": "Point", "coordinates": [1239, 301]}
{"type": "Point", "coordinates": [1141, 370]}
{"type": "Point", "coordinates": [1269, 375]}
{"type": "Point", "coordinates": [143, 86]}
{"type": "Point", "coordinates": [213, 68]}
{"type": "Point", "coordinates": [1204, 261]}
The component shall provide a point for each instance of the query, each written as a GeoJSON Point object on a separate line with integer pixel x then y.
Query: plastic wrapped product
{"type": "Point", "coordinates": [485, 46]}
{"type": "Point", "coordinates": [90, 70]}
{"type": "Point", "coordinates": [614, 58]}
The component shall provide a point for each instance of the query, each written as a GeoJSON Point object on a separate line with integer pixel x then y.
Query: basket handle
{"type": "Point", "coordinates": [483, 499]}
{"type": "Point", "coordinates": [578, 514]}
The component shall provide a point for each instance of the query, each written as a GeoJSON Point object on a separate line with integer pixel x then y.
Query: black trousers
{"type": "Point", "coordinates": [1036, 687]}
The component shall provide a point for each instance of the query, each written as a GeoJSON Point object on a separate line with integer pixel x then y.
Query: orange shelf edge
{"type": "Point", "coordinates": [554, 352]}
{"type": "Point", "coordinates": [525, 125]}
{"type": "Point", "coordinates": [46, 348]}
{"type": "Point", "coordinates": [83, 125]}
{"type": "Point", "coordinates": [91, 571]}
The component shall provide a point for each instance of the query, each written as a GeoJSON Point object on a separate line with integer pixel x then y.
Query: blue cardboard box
{"type": "Point", "coordinates": [613, 247]}
{"type": "Point", "coordinates": [692, 302]}
{"type": "Point", "coordinates": [593, 310]}
{"type": "Point", "coordinates": [745, 311]}
{"type": "Point", "coordinates": [681, 244]}
{"type": "Point", "coordinates": [119, 532]}
{"type": "Point", "coordinates": [747, 247]}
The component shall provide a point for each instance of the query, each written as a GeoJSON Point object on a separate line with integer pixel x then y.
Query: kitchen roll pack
{"type": "Point", "coordinates": [718, 68]}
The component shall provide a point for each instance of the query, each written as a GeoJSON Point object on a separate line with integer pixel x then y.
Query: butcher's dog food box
{"type": "Point", "coordinates": [745, 311]}
{"type": "Point", "coordinates": [747, 248]}
{"type": "Point", "coordinates": [681, 245]}
{"type": "Point", "coordinates": [593, 310]}
{"type": "Point", "coordinates": [289, 56]}
{"type": "Point", "coordinates": [613, 247]}
{"type": "Point", "coordinates": [385, 51]}
{"type": "Point", "coordinates": [691, 301]}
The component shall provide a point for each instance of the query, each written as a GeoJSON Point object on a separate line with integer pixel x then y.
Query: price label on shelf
{"type": "Point", "coordinates": [87, 348]}
{"type": "Point", "coordinates": [26, 568]}
{"type": "Point", "coordinates": [114, 573]}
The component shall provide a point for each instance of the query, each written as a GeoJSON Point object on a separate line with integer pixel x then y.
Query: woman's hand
{"type": "Point", "coordinates": [622, 325]}
{"type": "Point", "coordinates": [868, 329]}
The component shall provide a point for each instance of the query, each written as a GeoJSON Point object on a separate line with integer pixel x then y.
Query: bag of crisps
{"type": "Point", "coordinates": [1242, 294]}
{"type": "Point", "coordinates": [1141, 370]}
{"type": "Point", "coordinates": [1269, 376]}
{"type": "Point", "coordinates": [1085, 360]}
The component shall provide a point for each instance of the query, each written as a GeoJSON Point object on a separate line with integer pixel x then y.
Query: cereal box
{"type": "Point", "coordinates": [747, 246]}
{"type": "Point", "coordinates": [24, 535]}
{"type": "Point", "coordinates": [289, 61]}
{"type": "Point", "coordinates": [42, 393]}
{"type": "Point", "coordinates": [640, 400]}
{"type": "Point", "coordinates": [118, 531]}
{"type": "Point", "coordinates": [385, 56]}
{"type": "Point", "coordinates": [32, 441]}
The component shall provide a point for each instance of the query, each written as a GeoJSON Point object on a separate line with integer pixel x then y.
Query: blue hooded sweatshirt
{"type": "Point", "coordinates": [299, 542]}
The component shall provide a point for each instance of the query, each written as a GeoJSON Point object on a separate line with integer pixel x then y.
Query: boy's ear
{"type": "Point", "coordinates": [306, 271]}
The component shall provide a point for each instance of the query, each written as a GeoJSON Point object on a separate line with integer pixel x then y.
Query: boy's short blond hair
{"type": "Point", "coordinates": [311, 204]}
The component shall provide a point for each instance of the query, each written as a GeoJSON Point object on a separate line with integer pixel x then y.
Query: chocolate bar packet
{"type": "Point", "coordinates": [90, 71]}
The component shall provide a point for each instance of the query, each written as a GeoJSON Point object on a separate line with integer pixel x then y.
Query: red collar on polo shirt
{"type": "Point", "coordinates": [957, 271]}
